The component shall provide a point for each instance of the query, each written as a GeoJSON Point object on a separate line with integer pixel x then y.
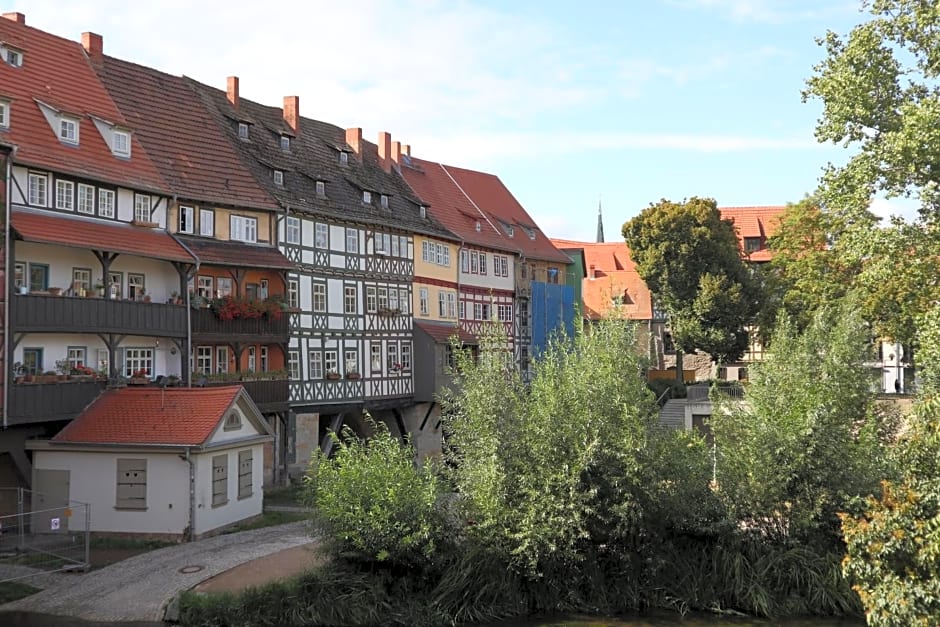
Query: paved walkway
{"type": "Point", "coordinates": [139, 588]}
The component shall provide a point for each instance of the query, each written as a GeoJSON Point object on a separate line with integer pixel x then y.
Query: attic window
{"type": "Point", "coordinates": [278, 177]}
{"type": "Point", "coordinates": [233, 421]}
{"type": "Point", "coordinates": [343, 157]}
{"type": "Point", "coordinates": [478, 227]}
{"type": "Point", "coordinates": [4, 114]}
{"type": "Point", "coordinates": [366, 196]}
{"type": "Point", "coordinates": [321, 189]}
{"type": "Point", "coordinates": [423, 211]}
{"type": "Point", "coordinates": [510, 231]}
{"type": "Point", "coordinates": [68, 130]}
{"type": "Point", "coordinates": [14, 57]}
{"type": "Point", "coordinates": [242, 130]}
{"type": "Point", "coordinates": [751, 244]}
{"type": "Point", "coordinates": [285, 143]}
{"type": "Point", "coordinates": [121, 144]}
{"type": "Point", "coordinates": [383, 200]}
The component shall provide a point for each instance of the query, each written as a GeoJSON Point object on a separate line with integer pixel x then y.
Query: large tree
{"type": "Point", "coordinates": [690, 260]}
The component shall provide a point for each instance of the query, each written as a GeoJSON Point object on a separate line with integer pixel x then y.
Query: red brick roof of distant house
{"type": "Point", "coordinates": [57, 75]}
{"type": "Point", "coordinates": [152, 415]}
{"type": "Point", "coordinates": [754, 222]}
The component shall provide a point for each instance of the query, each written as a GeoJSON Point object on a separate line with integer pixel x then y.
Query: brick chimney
{"type": "Point", "coordinates": [19, 18]}
{"type": "Point", "coordinates": [592, 272]}
{"type": "Point", "coordinates": [93, 45]}
{"type": "Point", "coordinates": [396, 153]}
{"type": "Point", "coordinates": [354, 139]}
{"type": "Point", "coordinates": [292, 112]}
{"type": "Point", "coordinates": [385, 150]}
{"type": "Point", "coordinates": [232, 90]}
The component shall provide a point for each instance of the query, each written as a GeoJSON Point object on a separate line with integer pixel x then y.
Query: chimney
{"type": "Point", "coordinates": [592, 271]}
{"type": "Point", "coordinates": [406, 149]}
{"type": "Point", "coordinates": [93, 45]}
{"type": "Point", "coordinates": [385, 151]}
{"type": "Point", "coordinates": [19, 18]}
{"type": "Point", "coordinates": [354, 139]}
{"type": "Point", "coordinates": [292, 112]}
{"type": "Point", "coordinates": [232, 89]}
{"type": "Point", "coordinates": [396, 153]}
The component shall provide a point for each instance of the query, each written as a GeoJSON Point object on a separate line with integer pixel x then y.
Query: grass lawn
{"type": "Point", "coordinates": [13, 590]}
{"type": "Point", "coordinates": [287, 495]}
{"type": "Point", "coordinates": [269, 519]}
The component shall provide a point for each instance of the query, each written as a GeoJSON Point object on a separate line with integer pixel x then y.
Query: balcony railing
{"type": "Point", "coordinates": [66, 314]}
{"type": "Point", "coordinates": [206, 323]}
{"type": "Point", "coordinates": [46, 402]}
{"type": "Point", "coordinates": [269, 395]}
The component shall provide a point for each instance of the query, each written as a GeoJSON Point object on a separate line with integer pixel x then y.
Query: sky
{"type": "Point", "coordinates": [571, 104]}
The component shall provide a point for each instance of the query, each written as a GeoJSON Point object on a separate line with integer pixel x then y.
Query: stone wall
{"type": "Point", "coordinates": [306, 434]}
{"type": "Point", "coordinates": [700, 362]}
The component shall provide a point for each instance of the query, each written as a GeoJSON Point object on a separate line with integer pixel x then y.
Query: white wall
{"type": "Point", "coordinates": [55, 347]}
{"type": "Point", "coordinates": [209, 517]}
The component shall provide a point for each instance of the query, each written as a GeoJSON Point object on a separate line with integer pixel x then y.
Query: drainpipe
{"type": "Point", "coordinates": [8, 288]}
{"type": "Point", "coordinates": [192, 494]}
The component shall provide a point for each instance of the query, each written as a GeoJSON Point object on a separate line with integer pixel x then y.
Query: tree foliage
{"type": "Point", "coordinates": [689, 258]}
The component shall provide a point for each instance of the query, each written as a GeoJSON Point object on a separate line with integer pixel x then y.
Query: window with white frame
{"type": "Point", "coordinates": [315, 364]}
{"type": "Point", "coordinates": [477, 311]}
{"type": "Point", "coordinates": [103, 363]}
{"type": "Point", "coordinates": [403, 245]}
{"type": "Point", "coordinates": [383, 201]}
{"type": "Point", "coordinates": [382, 243]}
{"type": "Point", "coordinates": [293, 290]}
{"type": "Point", "coordinates": [504, 313]}
{"type": "Point", "coordinates": [121, 144]}
{"type": "Point", "coordinates": [142, 207]}
{"type": "Point", "coordinates": [423, 300]}
{"type": "Point", "coordinates": [106, 203]}
{"type": "Point", "coordinates": [76, 356]}
{"type": "Point", "coordinates": [14, 57]}
{"type": "Point", "coordinates": [406, 357]}
{"type": "Point", "coordinates": [321, 235]}
{"type": "Point", "coordinates": [370, 299]}
{"type": "Point", "coordinates": [263, 356]}
{"type": "Point", "coordinates": [68, 130]}
{"type": "Point", "coordinates": [393, 299]}
{"type": "Point", "coordinates": [446, 255]}
{"type": "Point", "coordinates": [375, 357]}
{"type": "Point", "coordinates": [461, 307]}
{"type": "Point", "coordinates": [321, 189]}
{"type": "Point", "coordinates": [65, 195]}
{"type": "Point", "coordinates": [292, 230]}
{"type": "Point", "coordinates": [136, 286]}
{"type": "Point", "coordinates": [86, 199]}
{"type": "Point", "coordinates": [278, 177]}
{"type": "Point", "coordinates": [4, 114]}
{"type": "Point", "coordinates": [221, 359]}
{"type": "Point", "coordinates": [343, 157]}
{"type": "Point", "coordinates": [243, 130]}
{"type": "Point", "coordinates": [391, 354]}
{"type": "Point", "coordinates": [351, 302]}
{"type": "Point", "coordinates": [366, 197]}
{"type": "Point", "coordinates": [252, 359]}
{"type": "Point", "coordinates": [404, 298]}
{"type": "Point", "coordinates": [426, 251]}
{"type": "Point", "coordinates": [38, 184]}
{"type": "Point", "coordinates": [464, 261]}
{"type": "Point", "coordinates": [224, 286]}
{"type": "Point", "coordinates": [81, 279]}
{"type": "Point", "coordinates": [204, 359]}
{"type": "Point", "coordinates": [244, 229]}
{"type": "Point", "coordinates": [351, 360]}
{"type": "Point", "coordinates": [205, 286]}
{"type": "Point", "coordinates": [451, 305]}
{"type": "Point", "coordinates": [206, 222]}
{"type": "Point", "coordinates": [482, 263]}
{"type": "Point", "coordinates": [331, 361]}
{"type": "Point", "coordinates": [138, 360]}
{"type": "Point", "coordinates": [352, 240]}
{"type": "Point", "coordinates": [187, 223]}
{"type": "Point", "coordinates": [442, 304]}
{"type": "Point", "coordinates": [285, 142]}
{"type": "Point", "coordinates": [395, 246]}
{"type": "Point", "coordinates": [382, 298]}
{"type": "Point", "coordinates": [293, 364]}
{"type": "Point", "coordinates": [319, 297]}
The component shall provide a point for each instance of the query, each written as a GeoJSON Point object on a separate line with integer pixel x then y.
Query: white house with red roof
{"type": "Point", "coordinates": [162, 462]}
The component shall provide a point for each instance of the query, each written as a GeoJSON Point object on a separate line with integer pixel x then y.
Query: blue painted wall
{"type": "Point", "coordinates": [553, 312]}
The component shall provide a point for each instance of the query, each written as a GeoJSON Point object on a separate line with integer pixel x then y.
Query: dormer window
{"type": "Point", "coordinates": [285, 143]}
{"type": "Point", "coordinates": [751, 244]}
{"type": "Point", "coordinates": [478, 227]}
{"type": "Point", "coordinates": [423, 211]}
{"type": "Point", "coordinates": [121, 144]}
{"type": "Point", "coordinates": [278, 177]}
{"type": "Point", "coordinates": [343, 157]}
{"type": "Point", "coordinates": [510, 230]}
{"type": "Point", "coordinates": [14, 57]}
{"type": "Point", "coordinates": [4, 114]}
{"type": "Point", "coordinates": [383, 200]}
{"type": "Point", "coordinates": [68, 130]}
{"type": "Point", "coordinates": [321, 189]}
{"type": "Point", "coordinates": [366, 197]}
{"type": "Point", "coordinates": [243, 130]}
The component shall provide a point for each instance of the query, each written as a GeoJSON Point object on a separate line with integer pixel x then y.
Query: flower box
{"type": "Point", "coordinates": [352, 375]}
{"type": "Point", "coordinates": [332, 376]}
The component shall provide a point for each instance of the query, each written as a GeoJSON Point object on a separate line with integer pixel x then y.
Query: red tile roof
{"type": "Point", "coordinates": [760, 222]}
{"type": "Point", "coordinates": [150, 415]}
{"type": "Point", "coordinates": [196, 159]}
{"type": "Point", "coordinates": [119, 237]}
{"type": "Point", "coordinates": [58, 72]}
{"type": "Point", "coordinates": [606, 256]}
{"type": "Point", "coordinates": [220, 253]}
{"type": "Point", "coordinates": [442, 332]}
{"type": "Point", "coordinates": [489, 194]}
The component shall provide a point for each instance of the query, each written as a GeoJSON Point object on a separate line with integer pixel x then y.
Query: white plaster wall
{"type": "Point", "coordinates": [338, 242]}
{"type": "Point", "coordinates": [488, 279]}
{"type": "Point", "coordinates": [55, 347]}
{"type": "Point", "coordinates": [209, 517]}
{"type": "Point", "coordinates": [334, 296]}
{"type": "Point", "coordinates": [93, 479]}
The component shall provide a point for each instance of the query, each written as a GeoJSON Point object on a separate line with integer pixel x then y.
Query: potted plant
{"type": "Point", "coordinates": [49, 376]}
{"type": "Point", "coordinates": [82, 373]}
{"type": "Point", "coordinates": [173, 381]}
{"type": "Point", "coordinates": [99, 288]}
{"type": "Point", "coordinates": [352, 373]}
{"type": "Point", "coordinates": [63, 369]}
{"type": "Point", "coordinates": [140, 377]}
{"type": "Point", "coordinates": [55, 291]}
{"type": "Point", "coordinates": [145, 297]}
{"type": "Point", "coordinates": [19, 372]}
{"type": "Point", "coordinates": [332, 374]}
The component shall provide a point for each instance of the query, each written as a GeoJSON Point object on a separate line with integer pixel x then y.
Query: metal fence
{"type": "Point", "coordinates": [39, 534]}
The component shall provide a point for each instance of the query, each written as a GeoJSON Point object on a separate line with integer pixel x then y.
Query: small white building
{"type": "Point", "coordinates": [161, 462]}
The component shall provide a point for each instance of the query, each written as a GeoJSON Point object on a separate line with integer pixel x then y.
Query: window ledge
{"type": "Point", "coordinates": [126, 508]}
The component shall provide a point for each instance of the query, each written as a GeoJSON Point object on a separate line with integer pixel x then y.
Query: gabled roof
{"type": "Point", "coordinates": [760, 222]}
{"type": "Point", "coordinates": [448, 204]}
{"type": "Point", "coordinates": [488, 193]}
{"type": "Point", "coordinates": [314, 156]}
{"type": "Point", "coordinates": [222, 253]}
{"type": "Point", "coordinates": [154, 416]}
{"type": "Point", "coordinates": [442, 332]}
{"type": "Point", "coordinates": [182, 139]}
{"type": "Point", "coordinates": [57, 72]}
{"type": "Point", "coordinates": [46, 227]}
{"type": "Point", "coordinates": [605, 256]}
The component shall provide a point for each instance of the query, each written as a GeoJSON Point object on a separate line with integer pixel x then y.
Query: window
{"type": "Point", "coordinates": [441, 304]}
{"type": "Point", "coordinates": [37, 190]}
{"type": "Point", "coordinates": [462, 306]}
{"type": "Point", "coordinates": [115, 284]}
{"type": "Point", "coordinates": [375, 357]}
{"type": "Point", "coordinates": [392, 356]}
{"type": "Point", "coordinates": [343, 157]}
{"type": "Point", "coordinates": [383, 200]}
{"type": "Point", "coordinates": [204, 359]}
{"type": "Point", "coordinates": [278, 177]}
{"type": "Point", "coordinates": [76, 356]}
{"type": "Point", "coordinates": [135, 286]}
{"type": "Point", "coordinates": [242, 130]}
{"type": "Point", "coordinates": [223, 287]}
{"type": "Point", "coordinates": [319, 297]}
{"type": "Point", "coordinates": [204, 286]}
{"type": "Point", "coordinates": [751, 244]}
{"type": "Point", "coordinates": [285, 142]}
{"type": "Point", "coordinates": [86, 199]}
{"type": "Point", "coordinates": [524, 316]}
{"type": "Point", "coordinates": [244, 474]}
{"type": "Point", "coordinates": [14, 57]}
{"type": "Point", "coordinates": [423, 300]}
{"type": "Point", "coordinates": [352, 240]}
{"type": "Point", "coordinates": [321, 189]}
{"type": "Point", "coordinates": [331, 362]}
{"type": "Point", "coordinates": [351, 305]}
{"type": "Point", "coordinates": [477, 311]}
{"type": "Point", "coordinates": [451, 305]}
{"type": "Point", "coordinates": [233, 422]}
{"type": "Point", "coordinates": [293, 364]}
{"type": "Point", "coordinates": [370, 299]}
{"type": "Point", "coordinates": [106, 203]}
{"type": "Point", "coordinates": [137, 359]}
{"type": "Point", "coordinates": [382, 243]}
{"type": "Point", "coordinates": [293, 287]}
{"type": "Point", "coordinates": [141, 208]}
{"type": "Point", "coordinates": [504, 313]}
{"type": "Point", "coordinates": [553, 275]}
{"type": "Point", "coordinates": [131, 484]}
{"type": "Point", "coordinates": [32, 360]}
{"type": "Point", "coordinates": [315, 363]}
{"type": "Point", "coordinates": [187, 224]}
{"type": "Point", "coordinates": [65, 195]}
{"type": "Point", "coordinates": [423, 211]}
{"type": "Point", "coordinates": [292, 230]}
{"type": "Point", "coordinates": [121, 144]}
{"type": "Point", "coordinates": [221, 359]}
{"type": "Point", "coordinates": [366, 197]}
{"type": "Point", "coordinates": [81, 279]}
{"type": "Point", "coordinates": [104, 361]}
{"type": "Point", "coordinates": [406, 357]}
{"type": "Point", "coordinates": [351, 360]}
{"type": "Point", "coordinates": [206, 222]}
{"type": "Point", "coordinates": [38, 277]}
{"type": "Point", "coordinates": [474, 262]}
{"type": "Point", "coordinates": [19, 275]}
{"type": "Point", "coordinates": [425, 251]}
{"type": "Point", "coordinates": [383, 298]}
{"type": "Point", "coordinates": [219, 480]}
{"type": "Point", "coordinates": [464, 261]}
{"type": "Point", "coordinates": [482, 263]}
{"type": "Point", "coordinates": [446, 255]}
{"type": "Point", "coordinates": [252, 359]}
{"type": "Point", "coordinates": [393, 299]}
{"type": "Point", "coordinates": [244, 229]}
{"type": "Point", "coordinates": [68, 130]}
{"type": "Point", "coordinates": [4, 114]}
{"type": "Point", "coordinates": [403, 245]}
{"type": "Point", "coordinates": [264, 359]}
{"type": "Point", "coordinates": [321, 235]}
{"type": "Point", "coordinates": [404, 298]}
{"type": "Point", "coordinates": [396, 251]}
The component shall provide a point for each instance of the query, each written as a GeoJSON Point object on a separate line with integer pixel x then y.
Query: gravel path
{"type": "Point", "coordinates": [139, 588]}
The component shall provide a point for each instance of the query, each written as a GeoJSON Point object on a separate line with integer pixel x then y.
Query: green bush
{"type": "Point", "coordinates": [658, 386]}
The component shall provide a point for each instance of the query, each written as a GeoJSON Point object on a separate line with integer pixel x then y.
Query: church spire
{"type": "Point", "coordinates": [600, 223]}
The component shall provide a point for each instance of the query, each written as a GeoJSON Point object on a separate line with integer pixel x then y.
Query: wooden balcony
{"type": "Point", "coordinates": [270, 395]}
{"type": "Point", "coordinates": [64, 314]}
{"type": "Point", "coordinates": [32, 403]}
{"type": "Point", "coordinates": [208, 327]}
